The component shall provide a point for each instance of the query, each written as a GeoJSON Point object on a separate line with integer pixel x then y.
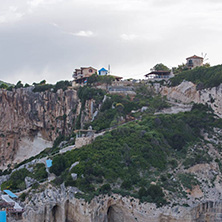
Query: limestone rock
{"type": "Point", "coordinates": [74, 176]}
{"type": "Point", "coordinates": [29, 181]}
{"type": "Point", "coordinates": [61, 205]}
{"type": "Point", "coordinates": [29, 121]}
{"type": "Point", "coordinates": [188, 92]}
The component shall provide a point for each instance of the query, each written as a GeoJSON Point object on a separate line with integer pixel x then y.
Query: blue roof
{"type": "Point", "coordinates": [10, 193]}
{"type": "Point", "coordinates": [103, 69]}
{"type": "Point", "coordinates": [2, 216]}
{"type": "Point", "coordinates": [49, 163]}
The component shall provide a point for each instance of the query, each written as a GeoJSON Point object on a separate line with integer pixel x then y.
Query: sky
{"type": "Point", "coordinates": [48, 39]}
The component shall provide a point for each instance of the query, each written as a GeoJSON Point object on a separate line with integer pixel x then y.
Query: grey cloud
{"type": "Point", "coordinates": [51, 40]}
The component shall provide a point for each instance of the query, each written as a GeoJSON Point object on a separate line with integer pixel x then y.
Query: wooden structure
{"type": "Point", "coordinates": [158, 75]}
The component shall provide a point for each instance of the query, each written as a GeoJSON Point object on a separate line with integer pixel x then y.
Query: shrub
{"type": "Point", "coordinates": [105, 188]}
{"type": "Point", "coordinates": [58, 165]}
{"type": "Point", "coordinates": [207, 77]}
{"type": "Point", "coordinates": [188, 180]}
{"type": "Point", "coordinates": [16, 181]}
{"type": "Point", "coordinates": [23, 196]}
{"type": "Point", "coordinates": [40, 172]}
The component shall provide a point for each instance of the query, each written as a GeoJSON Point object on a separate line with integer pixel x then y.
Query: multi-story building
{"type": "Point", "coordinates": [81, 75]}
{"type": "Point", "coordinates": [194, 61]}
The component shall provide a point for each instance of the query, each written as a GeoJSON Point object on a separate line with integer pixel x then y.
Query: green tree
{"type": "Point", "coordinates": [43, 82]}
{"type": "Point", "coordinates": [180, 68]}
{"type": "Point", "coordinates": [18, 85]}
{"type": "Point", "coordinates": [92, 79]}
{"type": "Point", "coordinates": [62, 85]}
{"type": "Point", "coordinates": [107, 79]}
{"type": "Point", "coordinates": [27, 85]}
{"type": "Point", "coordinates": [206, 65]}
{"type": "Point", "coordinates": [160, 67]}
{"type": "Point", "coordinates": [3, 86]}
{"type": "Point", "coordinates": [58, 165]}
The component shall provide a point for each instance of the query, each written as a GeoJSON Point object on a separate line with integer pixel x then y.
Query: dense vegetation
{"type": "Point", "coordinates": [138, 158]}
{"type": "Point", "coordinates": [117, 107]}
{"type": "Point", "coordinates": [5, 85]}
{"type": "Point", "coordinates": [87, 93]}
{"type": "Point", "coordinates": [96, 79]}
{"type": "Point", "coordinates": [16, 181]}
{"type": "Point", "coordinates": [203, 76]}
{"type": "Point", "coordinates": [38, 87]}
{"type": "Point", "coordinates": [127, 159]}
{"type": "Point", "coordinates": [160, 67]}
{"type": "Point", "coordinates": [42, 86]}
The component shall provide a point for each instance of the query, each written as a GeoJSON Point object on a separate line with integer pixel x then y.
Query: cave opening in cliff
{"type": "Point", "coordinates": [69, 212]}
{"type": "Point", "coordinates": [115, 214]}
{"type": "Point", "coordinates": [54, 209]}
{"type": "Point", "coordinates": [56, 214]}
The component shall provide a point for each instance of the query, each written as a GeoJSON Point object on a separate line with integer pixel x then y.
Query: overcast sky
{"type": "Point", "coordinates": [48, 39]}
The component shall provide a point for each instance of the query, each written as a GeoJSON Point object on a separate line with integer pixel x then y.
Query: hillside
{"type": "Point", "coordinates": [202, 76]}
{"type": "Point", "coordinates": [5, 83]}
{"type": "Point", "coordinates": [128, 159]}
{"type": "Point", "coordinates": [158, 161]}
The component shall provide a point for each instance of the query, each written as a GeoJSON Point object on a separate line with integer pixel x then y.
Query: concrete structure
{"type": "Point", "coordinates": [194, 61]}
{"type": "Point", "coordinates": [84, 137]}
{"type": "Point", "coordinates": [159, 75]}
{"type": "Point", "coordinates": [81, 75]}
{"type": "Point", "coordinates": [12, 208]}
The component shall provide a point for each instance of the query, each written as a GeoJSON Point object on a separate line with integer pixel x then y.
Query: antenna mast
{"type": "Point", "coordinates": [109, 69]}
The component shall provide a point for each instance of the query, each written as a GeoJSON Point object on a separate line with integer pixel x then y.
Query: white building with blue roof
{"type": "Point", "coordinates": [103, 72]}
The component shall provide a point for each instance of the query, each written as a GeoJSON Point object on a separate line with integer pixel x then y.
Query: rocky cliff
{"type": "Point", "coordinates": [29, 121]}
{"type": "Point", "coordinates": [188, 92]}
{"type": "Point", "coordinates": [55, 205]}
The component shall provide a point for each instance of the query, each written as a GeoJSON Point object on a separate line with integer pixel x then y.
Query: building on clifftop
{"type": "Point", "coordinates": [103, 72]}
{"type": "Point", "coordinates": [194, 61]}
{"type": "Point", "coordinates": [81, 75]}
{"type": "Point", "coordinates": [159, 75]}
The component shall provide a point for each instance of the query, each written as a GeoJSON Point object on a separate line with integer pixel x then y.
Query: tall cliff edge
{"type": "Point", "coordinates": [31, 120]}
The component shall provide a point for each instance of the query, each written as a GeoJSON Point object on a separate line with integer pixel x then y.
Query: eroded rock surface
{"type": "Point", "coordinates": [188, 92]}
{"type": "Point", "coordinates": [54, 205]}
{"type": "Point", "coordinates": [28, 119]}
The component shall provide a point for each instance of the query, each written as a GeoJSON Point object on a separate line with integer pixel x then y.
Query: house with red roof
{"type": "Point", "coordinates": [194, 61]}
{"type": "Point", "coordinates": [81, 75]}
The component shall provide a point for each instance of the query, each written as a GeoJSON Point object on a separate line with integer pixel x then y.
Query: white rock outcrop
{"type": "Point", "coordinates": [187, 92]}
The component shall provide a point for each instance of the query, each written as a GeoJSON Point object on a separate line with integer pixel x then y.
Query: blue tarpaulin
{"type": "Point", "coordinates": [10, 193]}
{"type": "Point", "coordinates": [48, 163]}
{"type": "Point", "coordinates": [2, 216]}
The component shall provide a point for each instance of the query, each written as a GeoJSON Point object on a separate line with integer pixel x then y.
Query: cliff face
{"type": "Point", "coordinates": [188, 92]}
{"type": "Point", "coordinates": [31, 120]}
{"type": "Point", "coordinates": [60, 205]}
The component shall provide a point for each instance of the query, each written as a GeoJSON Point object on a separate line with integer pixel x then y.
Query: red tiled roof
{"type": "Point", "coordinates": [194, 57]}
{"type": "Point", "coordinates": [90, 67]}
